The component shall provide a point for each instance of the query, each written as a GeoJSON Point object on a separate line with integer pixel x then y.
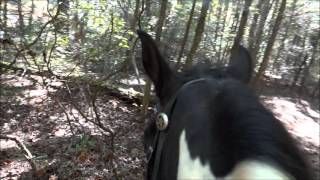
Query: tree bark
{"type": "Point", "coordinates": [225, 12]}
{"type": "Point", "coordinates": [272, 39]}
{"type": "Point", "coordinates": [306, 71]}
{"type": "Point", "coordinates": [65, 9]}
{"type": "Point", "coordinates": [162, 17]}
{"type": "Point", "coordinates": [31, 13]}
{"type": "Point", "coordinates": [21, 21]}
{"type": "Point", "coordinates": [316, 89]}
{"type": "Point", "coordinates": [186, 33]}
{"type": "Point", "coordinates": [236, 17]}
{"type": "Point", "coordinates": [148, 8]}
{"type": "Point", "coordinates": [291, 16]}
{"type": "Point", "coordinates": [5, 19]}
{"type": "Point", "coordinates": [199, 32]}
{"type": "Point", "coordinates": [243, 21]}
{"type": "Point", "coordinates": [253, 26]}
{"type": "Point", "coordinates": [299, 69]}
{"type": "Point", "coordinates": [273, 16]}
{"type": "Point", "coordinates": [217, 24]}
{"type": "Point", "coordinates": [134, 20]}
{"type": "Point", "coordinates": [259, 33]}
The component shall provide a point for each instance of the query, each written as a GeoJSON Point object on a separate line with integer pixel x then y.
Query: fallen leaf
{"type": "Point", "coordinates": [83, 156]}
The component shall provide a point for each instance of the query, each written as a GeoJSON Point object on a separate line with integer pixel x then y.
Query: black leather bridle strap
{"type": "Point", "coordinates": [161, 135]}
{"type": "Point", "coordinates": [160, 139]}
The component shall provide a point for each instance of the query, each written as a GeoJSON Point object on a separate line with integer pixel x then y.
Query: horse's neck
{"type": "Point", "coordinates": [193, 168]}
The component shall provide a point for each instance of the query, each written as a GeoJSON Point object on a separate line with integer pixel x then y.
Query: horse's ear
{"type": "Point", "coordinates": [240, 65]}
{"type": "Point", "coordinates": [154, 64]}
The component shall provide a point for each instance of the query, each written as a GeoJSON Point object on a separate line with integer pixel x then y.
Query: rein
{"type": "Point", "coordinates": [162, 123]}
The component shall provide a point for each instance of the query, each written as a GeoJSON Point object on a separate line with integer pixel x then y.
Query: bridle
{"type": "Point", "coordinates": [162, 124]}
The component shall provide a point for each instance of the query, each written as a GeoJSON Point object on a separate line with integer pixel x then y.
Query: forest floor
{"type": "Point", "coordinates": [84, 152]}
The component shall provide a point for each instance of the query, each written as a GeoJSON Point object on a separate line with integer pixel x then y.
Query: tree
{"type": "Point", "coordinates": [225, 12]}
{"type": "Point", "coordinates": [259, 32]}
{"type": "Point", "coordinates": [31, 13]}
{"type": "Point", "coordinates": [287, 28]}
{"type": "Point", "coordinates": [21, 21]}
{"type": "Point", "coordinates": [219, 11]}
{"type": "Point", "coordinates": [253, 26]}
{"type": "Point", "coordinates": [148, 8]}
{"type": "Point", "coordinates": [199, 32]}
{"type": "Point", "coordinates": [5, 19]}
{"type": "Point", "coordinates": [271, 41]}
{"type": "Point", "coordinates": [186, 33]}
{"type": "Point", "coordinates": [243, 21]}
{"type": "Point", "coordinates": [235, 21]}
{"type": "Point", "coordinates": [306, 71]}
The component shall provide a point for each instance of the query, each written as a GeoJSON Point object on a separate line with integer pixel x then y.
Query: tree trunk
{"type": "Point", "coordinates": [236, 17]}
{"type": "Point", "coordinates": [272, 39]}
{"type": "Point", "coordinates": [65, 9]}
{"type": "Point", "coordinates": [253, 26]}
{"type": "Point", "coordinates": [225, 12]}
{"type": "Point", "coordinates": [148, 8]}
{"type": "Point", "coordinates": [75, 22]}
{"type": "Point", "coordinates": [199, 32]}
{"type": "Point", "coordinates": [274, 13]}
{"type": "Point", "coordinates": [282, 41]}
{"type": "Point", "coordinates": [302, 55]}
{"type": "Point", "coordinates": [147, 88]}
{"type": "Point", "coordinates": [299, 69]}
{"type": "Point", "coordinates": [31, 13]}
{"type": "Point", "coordinates": [291, 16]}
{"type": "Point", "coordinates": [162, 17]}
{"type": "Point", "coordinates": [307, 69]}
{"type": "Point", "coordinates": [315, 91]}
{"type": "Point", "coordinates": [132, 22]}
{"type": "Point", "coordinates": [5, 19]}
{"type": "Point", "coordinates": [21, 22]}
{"type": "Point", "coordinates": [217, 24]}
{"type": "Point", "coordinates": [186, 33]}
{"type": "Point", "coordinates": [135, 19]}
{"type": "Point", "coordinates": [243, 21]}
{"type": "Point", "coordinates": [259, 33]}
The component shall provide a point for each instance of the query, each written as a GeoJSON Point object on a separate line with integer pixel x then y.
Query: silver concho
{"type": "Point", "coordinates": [162, 121]}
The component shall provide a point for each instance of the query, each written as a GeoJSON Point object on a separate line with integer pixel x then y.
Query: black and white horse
{"type": "Point", "coordinates": [212, 126]}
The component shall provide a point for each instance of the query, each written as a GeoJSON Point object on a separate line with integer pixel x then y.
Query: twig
{"type": "Point", "coordinates": [27, 154]}
{"type": "Point", "coordinates": [98, 119]}
{"type": "Point", "coordinates": [134, 63]}
{"type": "Point", "coordinates": [37, 38]}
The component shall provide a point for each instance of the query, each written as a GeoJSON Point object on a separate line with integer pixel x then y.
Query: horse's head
{"type": "Point", "coordinates": [167, 81]}
{"type": "Point", "coordinates": [216, 126]}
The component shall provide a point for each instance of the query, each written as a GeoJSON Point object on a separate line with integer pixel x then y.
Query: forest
{"type": "Point", "coordinates": [75, 98]}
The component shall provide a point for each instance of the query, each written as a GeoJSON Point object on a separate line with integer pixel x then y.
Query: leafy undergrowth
{"type": "Point", "coordinates": [85, 151]}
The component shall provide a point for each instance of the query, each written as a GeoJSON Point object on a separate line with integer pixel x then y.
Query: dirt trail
{"type": "Point", "coordinates": [28, 113]}
{"type": "Point", "coordinates": [302, 122]}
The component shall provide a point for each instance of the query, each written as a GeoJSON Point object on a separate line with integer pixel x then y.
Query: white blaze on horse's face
{"type": "Point", "coordinates": [189, 168]}
{"type": "Point", "coordinates": [192, 168]}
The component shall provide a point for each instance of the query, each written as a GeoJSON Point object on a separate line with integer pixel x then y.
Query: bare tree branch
{"type": "Point", "coordinates": [27, 154]}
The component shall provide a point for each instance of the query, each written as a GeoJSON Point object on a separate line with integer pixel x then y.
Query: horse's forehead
{"type": "Point", "coordinates": [202, 92]}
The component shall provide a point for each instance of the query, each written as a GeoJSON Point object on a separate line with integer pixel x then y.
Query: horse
{"type": "Point", "coordinates": [211, 125]}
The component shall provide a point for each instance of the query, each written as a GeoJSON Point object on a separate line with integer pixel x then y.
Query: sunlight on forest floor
{"type": "Point", "coordinates": [28, 113]}
{"type": "Point", "coordinates": [300, 119]}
